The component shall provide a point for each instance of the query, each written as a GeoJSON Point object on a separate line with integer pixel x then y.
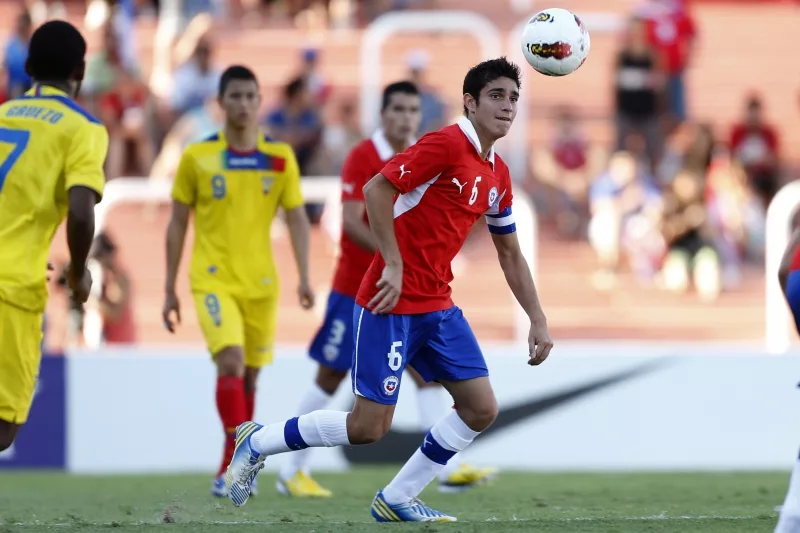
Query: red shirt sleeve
{"type": "Point", "coordinates": [356, 172]}
{"type": "Point", "coordinates": [420, 163]}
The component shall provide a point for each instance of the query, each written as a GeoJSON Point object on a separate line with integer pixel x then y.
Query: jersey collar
{"type": "Point", "coordinates": [44, 90]}
{"type": "Point", "coordinates": [469, 130]}
{"type": "Point", "coordinates": [383, 146]}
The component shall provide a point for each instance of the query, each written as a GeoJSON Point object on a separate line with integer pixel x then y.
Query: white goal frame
{"type": "Point", "coordinates": [317, 189]}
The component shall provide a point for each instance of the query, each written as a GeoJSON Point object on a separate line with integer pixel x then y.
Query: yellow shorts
{"type": "Point", "coordinates": [20, 356]}
{"type": "Point", "coordinates": [231, 321]}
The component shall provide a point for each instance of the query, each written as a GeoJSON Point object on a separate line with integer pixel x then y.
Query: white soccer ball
{"type": "Point", "coordinates": [555, 42]}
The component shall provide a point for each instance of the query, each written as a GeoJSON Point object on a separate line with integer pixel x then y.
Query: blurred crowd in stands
{"type": "Point", "coordinates": [678, 203]}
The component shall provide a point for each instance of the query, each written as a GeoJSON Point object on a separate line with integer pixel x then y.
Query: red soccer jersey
{"type": "Point", "coordinates": [444, 187]}
{"type": "Point", "coordinates": [361, 165]}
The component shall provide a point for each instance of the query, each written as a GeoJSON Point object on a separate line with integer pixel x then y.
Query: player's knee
{"type": "Point", "coordinates": [479, 416]}
{"type": "Point", "coordinates": [230, 361]}
{"type": "Point", "coordinates": [368, 424]}
{"type": "Point", "coordinates": [7, 434]}
{"type": "Point", "coordinates": [328, 379]}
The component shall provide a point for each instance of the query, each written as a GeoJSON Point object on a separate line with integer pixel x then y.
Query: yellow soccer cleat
{"type": "Point", "coordinates": [301, 485]}
{"type": "Point", "coordinates": [466, 477]}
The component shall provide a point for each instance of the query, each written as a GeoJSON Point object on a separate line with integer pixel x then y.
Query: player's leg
{"type": "Point", "coordinates": [332, 348]}
{"type": "Point", "coordinates": [222, 326]}
{"type": "Point", "coordinates": [432, 407]}
{"type": "Point", "coordinates": [260, 318]}
{"type": "Point", "coordinates": [21, 335]}
{"type": "Point", "coordinates": [381, 344]}
{"type": "Point", "coordinates": [452, 356]}
{"type": "Point", "coordinates": [789, 521]}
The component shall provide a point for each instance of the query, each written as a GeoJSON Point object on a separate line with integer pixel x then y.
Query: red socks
{"type": "Point", "coordinates": [233, 410]}
{"type": "Point", "coordinates": [250, 403]}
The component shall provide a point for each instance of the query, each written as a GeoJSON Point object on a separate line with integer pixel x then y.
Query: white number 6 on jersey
{"type": "Point", "coordinates": [474, 196]}
{"type": "Point", "coordinates": [395, 357]}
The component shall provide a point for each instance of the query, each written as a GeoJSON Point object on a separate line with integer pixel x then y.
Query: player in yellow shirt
{"type": "Point", "coordinates": [235, 181]}
{"type": "Point", "coordinates": [51, 166]}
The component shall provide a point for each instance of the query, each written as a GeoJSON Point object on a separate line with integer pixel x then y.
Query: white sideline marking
{"type": "Point", "coordinates": [653, 518]}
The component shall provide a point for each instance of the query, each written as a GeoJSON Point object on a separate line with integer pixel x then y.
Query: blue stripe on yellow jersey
{"type": "Point", "coordinates": [48, 144]}
{"type": "Point", "coordinates": [235, 197]}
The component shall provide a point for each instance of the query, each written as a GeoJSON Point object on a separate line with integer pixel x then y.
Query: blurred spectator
{"type": "Point", "coordinates": [735, 214]}
{"type": "Point", "coordinates": [754, 143]}
{"type": "Point", "coordinates": [103, 67]}
{"type": "Point", "coordinates": [625, 209]}
{"type": "Point", "coordinates": [564, 169]}
{"type": "Point", "coordinates": [434, 111]}
{"type": "Point", "coordinates": [298, 122]}
{"type": "Point", "coordinates": [318, 88]}
{"type": "Point", "coordinates": [676, 149]}
{"type": "Point", "coordinates": [341, 136]}
{"type": "Point", "coordinates": [16, 53]}
{"type": "Point", "coordinates": [671, 30]}
{"type": "Point", "coordinates": [122, 110]}
{"type": "Point", "coordinates": [193, 126]}
{"type": "Point", "coordinates": [639, 82]}
{"type": "Point", "coordinates": [688, 234]}
{"type": "Point", "coordinates": [115, 306]}
{"type": "Point", "coordinates": [196, 80]}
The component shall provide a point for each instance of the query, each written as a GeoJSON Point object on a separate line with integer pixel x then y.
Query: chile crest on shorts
{"type": "Point", "coordinates": [390, 385]}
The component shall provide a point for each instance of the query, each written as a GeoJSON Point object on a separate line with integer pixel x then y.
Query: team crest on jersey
{"type": "Point", "coordinates": [492, 196]}
{"type": "Point", "coordinates": [266, 184]}
{"type": "Point", "coordinates": [390, 385]}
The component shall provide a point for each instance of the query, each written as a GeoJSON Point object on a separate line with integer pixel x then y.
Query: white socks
{"type": "Point", "coordinates": [449, 436]}
{"type": "Point", "coordinates": [314, 430]}
{"type": "Point", "coordinates": [789, 521]}
{"type": "Point", "coordinates": [432, 406]}
{"type": "Point", "coordinates": [314, 400]}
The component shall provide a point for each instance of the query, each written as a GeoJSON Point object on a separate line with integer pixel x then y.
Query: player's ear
{"type": "Point", "coordinates": [80, 72]}
{"type": "Point", "coordinates": [470, 103]}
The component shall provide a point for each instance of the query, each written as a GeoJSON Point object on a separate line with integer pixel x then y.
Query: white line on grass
{"type": "Point", "coordinates": [653, 518]}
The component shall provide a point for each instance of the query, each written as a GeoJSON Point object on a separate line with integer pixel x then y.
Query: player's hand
{"type": "Point", "coordinates": [306, 295]}
{"type": "Point", "coordinates": [50, 268]}
{"type": "Point", "coordinates": [389, 287]}
{"type": "Point", "coordinates": [79, 287]}
{"type": "Point", "coordinates": [539, 343]}
{"type": "Point", "coordinates": [171, 314]}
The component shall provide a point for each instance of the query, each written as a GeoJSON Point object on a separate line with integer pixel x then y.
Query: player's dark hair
{"type": "Point", "coordinates": [294, 88]}
{"type": "Point", "coordinates": [235, 72]}
{"type": "Point", "coordinates": [399, 87]}
{"type": "Point", "coordinates": [485, 73]}
{"type": "Point", "coordinates": [57, 52]}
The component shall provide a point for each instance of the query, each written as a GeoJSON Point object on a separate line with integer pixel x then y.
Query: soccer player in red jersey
{"type": "Point", "coordinates": [332, 346]}
{"type": "Point", "coordinates": [421, 207]}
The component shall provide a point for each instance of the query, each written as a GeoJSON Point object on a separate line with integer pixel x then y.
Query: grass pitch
{"type": "Point", "coordinates": [516, 502]}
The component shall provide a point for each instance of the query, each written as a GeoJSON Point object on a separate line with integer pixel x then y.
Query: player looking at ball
{"type": "Point", "coordinates": [421, 206]}
{"type": "Point", "coordinates": [235, 181]}
{"type": "Point", "coordinates": [332, 346]}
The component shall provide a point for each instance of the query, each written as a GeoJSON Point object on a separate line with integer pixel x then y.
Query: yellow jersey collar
{"type": "Point", "coordinates": [45, 90]}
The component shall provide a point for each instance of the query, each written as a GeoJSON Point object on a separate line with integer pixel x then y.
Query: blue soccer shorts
{"type": "Point", "coordinates": [793, 296]}
{"type": "Point", "coordinates": [333, 345]}
{"type": "Point", "coordinates": [439, 345]}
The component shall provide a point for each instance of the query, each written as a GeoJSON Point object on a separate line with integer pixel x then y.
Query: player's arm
{"type": "Point", "coordinates": [84, 181]}
{"type": "Point", "coordinates": [518, 276]}
{"type": "Point", "coordinates": [293, 204]}
{"type": "Point", "coordinates": [419, 164]}
{"type": "Point", "coordinates": [786, 262]}
{"type": "Point", "coordinates": [353, 208]}
{"type": "Point", "coordinates": [184, 197]}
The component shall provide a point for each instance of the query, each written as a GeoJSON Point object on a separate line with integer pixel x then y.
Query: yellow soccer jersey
{"type": "Point", "coordinates": [235, 197]}
{"type": "Point", "coordinates": [48, 144]}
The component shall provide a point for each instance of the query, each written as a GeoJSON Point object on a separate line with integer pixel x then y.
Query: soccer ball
{"type": "Point", "coordinates": [555, 42]}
